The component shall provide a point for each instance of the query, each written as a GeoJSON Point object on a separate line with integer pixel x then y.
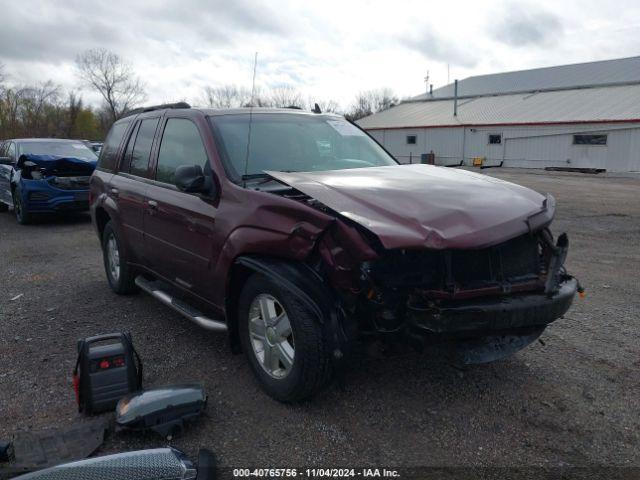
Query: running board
{"type": "Point", "coordinates": [158, 289]}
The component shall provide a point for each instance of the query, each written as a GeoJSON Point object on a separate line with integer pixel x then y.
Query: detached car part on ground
{"type": "Point", "coordinates": [45, 183]}
{"type": "Point", "coordinates": [311, 239]}
{"type": "Point", "coordinates": [156, 464]}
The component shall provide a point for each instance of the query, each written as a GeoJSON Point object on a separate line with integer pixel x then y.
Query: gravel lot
{"type": "Point", "coordinates": [571, 402]}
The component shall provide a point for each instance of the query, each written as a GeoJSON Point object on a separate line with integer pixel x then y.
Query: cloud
{"type": "Point", "coordinates": [522, 26]}
{"type": "Point", "coordinates": [44, 30]}
{"type": "Point", "coordinates": [435, 47]}
{"type": "Point", "coordinates": [324, 48]}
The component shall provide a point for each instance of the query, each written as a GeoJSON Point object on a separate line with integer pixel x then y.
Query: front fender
{"type": "Point", "coordinates": [303, 282]}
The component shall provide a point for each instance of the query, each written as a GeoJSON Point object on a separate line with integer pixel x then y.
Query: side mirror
{"type": "Point", "coordinates": [6, 161]}
{"type": "Point", "coordinates": [191, 179]}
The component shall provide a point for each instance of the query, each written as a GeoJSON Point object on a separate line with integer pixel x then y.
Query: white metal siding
{"type": "Point", "coordinates": [525, 147]}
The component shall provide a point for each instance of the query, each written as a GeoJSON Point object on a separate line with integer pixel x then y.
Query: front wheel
{"type": "Point", "coordinates": [283, 341]}
{"type": "Point", "coordinates": [22, 215]}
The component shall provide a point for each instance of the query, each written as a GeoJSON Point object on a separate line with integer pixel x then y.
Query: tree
{"type": "Point", "coordinates": [40, 108]}
{"type": "Point", "coordinates": [286, 96]}
{"type": "Point", "coordinates": [370, 102]}
{"type": "Point", "coordinates": [227, 96]}
{"type": "Point", "coordinates": [74, 107]}
{"type": "Point", "coordinates": [113, 78]}
{"type": "Point", "coordinates": [326, 106]}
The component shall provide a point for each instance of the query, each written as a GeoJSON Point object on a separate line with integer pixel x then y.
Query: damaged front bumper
{"type": "Point", "coordinates": [510, 312]}
{"type": "Point", "coordinates": [55, 194]}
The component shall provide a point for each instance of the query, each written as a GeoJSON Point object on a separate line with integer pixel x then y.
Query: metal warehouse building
{"type": "Point", "coordinates": [578, 116]}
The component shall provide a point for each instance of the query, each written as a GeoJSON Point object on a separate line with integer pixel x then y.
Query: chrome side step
{"type": "Point", "coordinates": [155, 289]}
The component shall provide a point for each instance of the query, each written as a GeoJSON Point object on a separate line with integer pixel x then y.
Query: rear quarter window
{"type": "Point", "coordinates": [109, 154]}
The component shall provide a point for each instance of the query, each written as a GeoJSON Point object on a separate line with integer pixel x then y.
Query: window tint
{"type": "Point", "coordinates": [109, 151]}
{"type": "Point", "coordinates": [139, 163]}
{"type": "Point", "coordinates": [181, 145]}
{"type": "Point", "coordinates": [128, 151]}
{"type": "Point", "coordinates": [589, 139]}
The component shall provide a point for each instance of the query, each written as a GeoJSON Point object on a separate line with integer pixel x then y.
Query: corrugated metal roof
{"type": "Point", "coordinates": [607, 72]}
{"type": "Point", "coordinates": [562, 106]}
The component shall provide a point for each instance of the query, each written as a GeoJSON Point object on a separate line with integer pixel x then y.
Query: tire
{"type": "Point", "coordinates": [119, 273]}
{"type": "Point", "coordinates": [310, 367]}
{"type": "Point", "coordinates": [23, 217]}
{"type": "Point", "coordinates": [3, 207]}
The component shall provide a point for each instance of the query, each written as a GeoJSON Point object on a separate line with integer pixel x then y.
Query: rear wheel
{"type": "Point", "coordinates": [119, 274]}
{"type": "Point", "coordinates": [22, 215]}
{"type": "Point", "coordinates": [282, 340]}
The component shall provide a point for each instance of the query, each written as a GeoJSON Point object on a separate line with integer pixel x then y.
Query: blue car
{"type": "Point", "coordinates": [44, 175]}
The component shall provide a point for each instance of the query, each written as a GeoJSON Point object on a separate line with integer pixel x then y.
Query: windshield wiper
{"type": "Point", "coordinates": [253, 176]}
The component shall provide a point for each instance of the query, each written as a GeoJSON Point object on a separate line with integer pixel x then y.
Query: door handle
{"type": "Point", "coordinates": [153, 205]}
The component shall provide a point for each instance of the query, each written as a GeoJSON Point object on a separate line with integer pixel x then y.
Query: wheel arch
{"type": "Point", "coordinates": [296, 277]}
{"type": "Point", "coordinates": [102, 217]}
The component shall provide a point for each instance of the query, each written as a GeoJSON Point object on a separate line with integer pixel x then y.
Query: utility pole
{"type": "Point", "coordinates": [447, 74]}
{"type": "Point", "coordinates": [426, 82]}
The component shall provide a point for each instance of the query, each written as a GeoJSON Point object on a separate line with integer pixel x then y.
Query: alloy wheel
{"type": "Point", "coordinates": [113, 257]}
{"type": "Point", "coordinates": [271, 336]}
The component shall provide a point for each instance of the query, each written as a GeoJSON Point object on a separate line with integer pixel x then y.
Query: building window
{"type": "Point", "coordinates": [589, 139]}
{"type": "Point", "coordinates": [411, 139]}
{"type": "Point", "coordinates": [495, 139]}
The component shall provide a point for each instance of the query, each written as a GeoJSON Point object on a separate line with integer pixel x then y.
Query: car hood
{"type": "Point", "coordinates": [62, 166]}
{"type": "Point", "coordinates": [423, 206]}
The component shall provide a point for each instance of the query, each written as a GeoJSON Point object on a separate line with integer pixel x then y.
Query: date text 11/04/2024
{"type": "Point", "coordinates": [316, 472]}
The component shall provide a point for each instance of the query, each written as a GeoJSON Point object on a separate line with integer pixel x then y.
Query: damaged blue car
{"type": "Point", "coordinates": [44, 176]}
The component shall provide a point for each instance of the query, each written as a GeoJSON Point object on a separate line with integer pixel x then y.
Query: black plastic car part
{"type": "Point", "coordinates": [35, 450]}
{"type": "Point", "coordinates": [164, 410]}
{"type": "Point", "coordinates": [160, 463]}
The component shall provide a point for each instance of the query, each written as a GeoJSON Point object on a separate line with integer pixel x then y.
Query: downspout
{"type": "Point", "coordinates": [455, 98]}
{"type": "Point", "coordinates": [464, 135]}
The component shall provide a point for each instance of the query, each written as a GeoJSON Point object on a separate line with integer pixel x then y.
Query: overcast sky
{"type": "Point", "coordinates": [328, 49]}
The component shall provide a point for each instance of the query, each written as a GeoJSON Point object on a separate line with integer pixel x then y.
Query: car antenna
{"type": "Point", "coordinates": [253, 90]}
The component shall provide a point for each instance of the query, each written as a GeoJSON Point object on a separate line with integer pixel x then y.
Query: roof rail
{"type": "Point", "coordinates": [151, 108]}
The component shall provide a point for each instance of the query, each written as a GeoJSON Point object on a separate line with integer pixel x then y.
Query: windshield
{"type": "Point", "coordinates": [62, 149]}
{"type": "Point", "coordinates": [289, 142]}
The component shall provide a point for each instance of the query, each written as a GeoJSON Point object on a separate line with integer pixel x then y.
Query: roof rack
{"type": "Point", "coordinates": [163, 106]}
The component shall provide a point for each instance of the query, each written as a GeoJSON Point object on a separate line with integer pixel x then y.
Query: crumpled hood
{"type": "Point", "coordinates": [423, 206]}
{"type": "Point", "coordinates": [57, 165]}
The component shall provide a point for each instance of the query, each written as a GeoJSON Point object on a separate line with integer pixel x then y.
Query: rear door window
{"type": "Point", "coordinates": [139, 164]}
{"type": "Point", "coordinates": [109, 153]}
{"type": "Point", "coordinates": [128, 151]}
{"type": "Point", "coordinates": [181, 145]}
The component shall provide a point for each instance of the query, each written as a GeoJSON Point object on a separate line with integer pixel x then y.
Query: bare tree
{"type": "Point", "coordinates": [370, 102]}
{"type": "Point", "coordinates": [326, 106]}
{"type": "Point", "coordinates": [40, 104]}
{"type": "Point", "coordinates": [286, 96]}
{"type": "Point", "coordinates": [227, 96]}
{"type": "Point", "coordinates": [113, 78]}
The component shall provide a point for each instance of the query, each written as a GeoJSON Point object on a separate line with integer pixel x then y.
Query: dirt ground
{"type": "Point", "coordinates": [574, 401]}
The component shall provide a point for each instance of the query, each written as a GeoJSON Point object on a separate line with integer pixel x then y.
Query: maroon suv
{"type": "Point", "coordinates": [302, 238]}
